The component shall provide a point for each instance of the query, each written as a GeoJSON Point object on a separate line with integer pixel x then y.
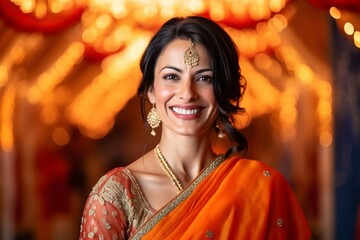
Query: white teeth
{"type": "Point", "coordinates": [186, 111]}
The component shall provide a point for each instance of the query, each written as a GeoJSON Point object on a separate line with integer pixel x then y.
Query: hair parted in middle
{"type": "Point", "coordinates": [228, 83]}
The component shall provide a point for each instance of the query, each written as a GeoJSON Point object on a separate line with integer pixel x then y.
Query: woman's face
{"type": "Point", "coordinates": [184, 96]}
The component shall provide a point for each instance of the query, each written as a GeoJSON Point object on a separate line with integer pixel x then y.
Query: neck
{"type": "Point", "coordinates": [187, 155]}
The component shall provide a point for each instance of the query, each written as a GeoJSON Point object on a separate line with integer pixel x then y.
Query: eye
{"type": "Point", "coordinates": [205, 79]}
{"type": "Point", "coordinates": [170, 77]}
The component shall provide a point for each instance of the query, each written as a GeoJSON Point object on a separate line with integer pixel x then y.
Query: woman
{"type": "Point", "coordinates": [182, 189]}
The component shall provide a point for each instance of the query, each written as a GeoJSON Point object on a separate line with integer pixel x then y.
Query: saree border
{"type": "Point", "coordinates": [158, 216]}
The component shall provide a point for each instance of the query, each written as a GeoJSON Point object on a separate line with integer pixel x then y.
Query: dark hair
{"type": "Point", "coordinates": [228, 83]}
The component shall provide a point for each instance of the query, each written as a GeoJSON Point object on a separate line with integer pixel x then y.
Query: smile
{"type": "Point", "coordinates": [186, 111]}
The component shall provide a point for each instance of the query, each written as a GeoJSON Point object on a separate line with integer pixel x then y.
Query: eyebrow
{"type": "Point", "coordinates": [180, 71]}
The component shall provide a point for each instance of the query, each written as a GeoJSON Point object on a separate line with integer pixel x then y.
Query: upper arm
{"type": "Point", "coordinates": [104, 216]}
{"type": "Point", "coordinates": [102, 220]}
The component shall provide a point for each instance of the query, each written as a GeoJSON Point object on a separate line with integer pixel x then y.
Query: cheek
{"type": "Point", "coordinates": [162, 94]}
{"type": "Point", "coordinates": [209, 96]}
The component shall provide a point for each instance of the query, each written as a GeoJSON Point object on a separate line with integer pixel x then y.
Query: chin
{"type": "Point", "coordinates": [189, 133]}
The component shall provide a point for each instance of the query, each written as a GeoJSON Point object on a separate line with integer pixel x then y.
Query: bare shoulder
{"type": "Point", "coordinates": [142, 165]}
{"type": "Point", "coordinates": [145, 169]}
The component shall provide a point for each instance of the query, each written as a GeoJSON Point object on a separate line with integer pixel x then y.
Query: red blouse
{"type": "Point", "coordinates": [115, 208]}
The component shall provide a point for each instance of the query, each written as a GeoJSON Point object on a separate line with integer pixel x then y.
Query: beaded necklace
{"type": "Point", "coordinates": [167, 169]}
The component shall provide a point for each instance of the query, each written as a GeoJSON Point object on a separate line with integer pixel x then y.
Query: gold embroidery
{"type": "Point", "coordinates": [91, 211]}
{"type": "Point", "coordinates": [105, 212]}
{"type": "Point", "coordinates": [209, 234]}
{"type": "Point", "coordinates": [115, 193]}
{"type": "Point", "coordinates": [267, 173]}
{"type": "Point", "coordinates": [107, 226]}
{"type": "Point", "coordinates": [131, 201]}
{"type": "Point", "coordinates": [91, 235]}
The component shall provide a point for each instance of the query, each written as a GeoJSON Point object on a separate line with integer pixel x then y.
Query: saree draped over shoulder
{"type": "Point", "coordinates": [232, 199]}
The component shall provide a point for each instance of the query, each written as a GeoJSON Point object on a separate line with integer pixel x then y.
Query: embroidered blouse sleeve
{"type": "Point", "coordinates": [104, 216]}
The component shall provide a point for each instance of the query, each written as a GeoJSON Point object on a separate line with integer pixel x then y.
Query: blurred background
{"type": "Point", "coordinates": [69, 112]}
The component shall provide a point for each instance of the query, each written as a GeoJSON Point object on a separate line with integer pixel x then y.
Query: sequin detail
{"type": "Point", "coordinates": [267, 173]}
{"type": "Point", "coordinates": [209, 234]}
{"type": "Point", "coordinates": [115, 204]}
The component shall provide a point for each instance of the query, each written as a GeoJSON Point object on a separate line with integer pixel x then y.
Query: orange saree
{"type": "Point", "coordinates": [231, 199]}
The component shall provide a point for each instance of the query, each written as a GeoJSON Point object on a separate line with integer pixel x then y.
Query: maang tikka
{"type": "Point", "coordinates": [191, 56]}
{"type": "Point", "coordinates": [153, 119]}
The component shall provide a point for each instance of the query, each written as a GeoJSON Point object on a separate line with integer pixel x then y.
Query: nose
{"type": "Point", "coordinates": [187, 90]}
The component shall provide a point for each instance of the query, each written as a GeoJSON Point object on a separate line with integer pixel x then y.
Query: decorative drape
{"type": "Point", "coordinates": [29, 22]}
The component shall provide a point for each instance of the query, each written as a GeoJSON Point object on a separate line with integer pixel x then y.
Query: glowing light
{"type": "Point", "coordinates": [3, 75]}
{"type": "Point", "coordinates": [324, 89]}
{"type": "Point", "coordinates": [6, 118]}
{"type": "Point", "coordinates": [289, 97]}
{"type": "Point", "coordinates": [61, 136]}
{"type": "Point", "coordinates": [324, 109]}
{"type": "Point", "coordinates": [325, 138]}
{"type": "Point", "coordinates": [17, 53]}
{"type": "Point", "coordinates": [262, 61]}
{"type": "Point", "coordinates": [56, 7]}
{"type": "Point", "coordinates": [335, 13]}
{"type": "Point", "coordinates": [357, 39]}
{"type": "Point", "coordinates": [276, 5]}
{"type": "Point", "coordinates": [116, 25]}
{"type": "Point", "coordinates": [274, 40]}
{"type": "Point", "coordinates": [277, 23]}
{"type": "Point", "coordinates": [349, 28]}
{"type": "Point", "coordinates": [288, 115]}
{"type": "Point", "coordinates": [50, 79]}
{"type": "Point", "coordinates": [258, 12]}
{"type": "Point", "coordinates": [89, 35]}
{"type": "Point", "coordinates": [103, 21]}
{"type": "Point", "coordinates": [111, 84]}
{"type": "Point", "coordinates": [304, 73]}
{"type": "Point", "coordinates": [150, 11]}
{"type": "Point", "coordinates": [33, 95]}
{"type": "Point", "coordinates": [275, 70]}
{"type": "Point", "coordinates": [41, 8]}
{"type": "Point", "coordinates": [49, 115]}
{"type": "Point", "coordinates": [197, 6]}
{"type": "Point", "coordinates": [217, 10]}
{"type": "Point", "coordinates": [26, 6]}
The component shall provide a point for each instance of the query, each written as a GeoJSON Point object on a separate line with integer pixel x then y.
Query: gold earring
{"type": "Point", "coordinates": [220, 131]}
{"type": "Point", "coordinates": [153, 119]}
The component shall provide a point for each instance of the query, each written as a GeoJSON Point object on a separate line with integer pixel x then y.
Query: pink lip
{"type": "Point", "coordinates": [178, 111]}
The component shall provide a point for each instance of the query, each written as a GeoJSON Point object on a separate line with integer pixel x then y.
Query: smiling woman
{"type": "Point", "coordinates": [183, 93]}
{"type": "Point", "coordinates": [182, 189]}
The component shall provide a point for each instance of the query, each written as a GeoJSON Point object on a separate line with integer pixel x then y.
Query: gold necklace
{"type": "Point", "coordinates": [167, 169]}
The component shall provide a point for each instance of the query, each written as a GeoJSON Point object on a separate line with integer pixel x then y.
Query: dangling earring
{"type": "Point", "coordinates": [153, 119]}
{"type": "Point", "coordinates": [220, 131]}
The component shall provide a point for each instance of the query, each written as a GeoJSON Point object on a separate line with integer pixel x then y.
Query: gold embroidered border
{"type": "Point", "coordinates": [180, 198]}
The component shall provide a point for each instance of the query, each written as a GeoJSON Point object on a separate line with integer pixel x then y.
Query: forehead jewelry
{"type": "Point", "coordinates": [191, 56]}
